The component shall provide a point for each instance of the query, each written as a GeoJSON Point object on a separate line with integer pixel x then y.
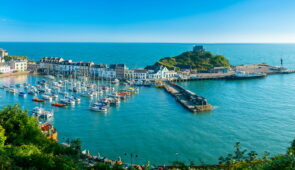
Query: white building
{"type": "Point", "coordinates": [5, 69]}
{"type": "Point", "coordinates": [161, 73]}
{"type": "Point", "coordinates": [102, 71]}
{"type": "Point", "coordinates": [136, 74]}
{"type": "Point", "coordinates": [18, 65]}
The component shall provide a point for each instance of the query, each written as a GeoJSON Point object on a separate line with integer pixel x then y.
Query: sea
{"type": "Point", "coordinates": [260, 113]}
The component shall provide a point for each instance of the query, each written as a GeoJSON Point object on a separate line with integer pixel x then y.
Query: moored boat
{"type": "Point", "coordinates": [58, 104]}
{"type": "Point", "coordinates": [38, 100]}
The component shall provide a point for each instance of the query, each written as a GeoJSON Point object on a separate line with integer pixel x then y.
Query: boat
{"type": "Point", "coordinates": [46, 97]}
{"type": "Point", "coordinates": [87, 94]}
{"type": "Point", "coordinates": [98, 108]}
{"type": "Point", "coordinates": [22, 93]}
{"type": "Point", "coordinates": [58, 104]}
{"type": "Point", "coordinates": [116, 81]}
{"type": "Point", "coordinates": [67, 101]}
{"type": "Point", "coordinates": [241, 75]}
{"type": "Point", "coordinates": [50, 77]}
{"type": "Point", "coordinates": [38, 100]}
{"type": "Point", "coordinates": [42, 114]}
{"type": "Point", "coordinates": [12, 90]}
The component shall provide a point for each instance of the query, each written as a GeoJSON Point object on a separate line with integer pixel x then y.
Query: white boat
{"type": "Point", "coordinates": [116, 81]}
{"type": "Point", "coordinates": [68, 101]}
{"type": "Point", "coordinates": [40, 113]}
{"type": "Point", "coordinates": [50, 77]}
{"type": "Point", "coordinates": [12, 90]}
{"type": "Point", "coordinates": [98, 108]}
{"type": "Point", "coordinates": [87, 94]}
{"type": "Point", "coordinates": [46, 97]}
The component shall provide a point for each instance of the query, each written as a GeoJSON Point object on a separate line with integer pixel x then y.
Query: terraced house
{"type": "Point", "coordinates": [18, 65]}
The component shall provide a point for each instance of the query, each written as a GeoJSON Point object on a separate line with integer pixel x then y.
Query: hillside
{"type": "Point", "coordinates": [201, 60]}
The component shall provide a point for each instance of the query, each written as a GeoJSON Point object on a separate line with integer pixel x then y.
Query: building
{"type": "Point", "coordinates": [33, 66]}
{"type": "Point", "coordinates": [136, 74]}
{"type": "Point", "coordinates": [161, 73]}
{"type": "Point", "coordinates": [18, 65]}
{"type": "Point", "coordinates": [83, 68]}
{"type": "Point", "coordinates": [50, 65]}
{"type": "Point", "coordinates": [4, 68]}
{"type": "Point", "coordinates": [219, 70]}
{"type": "Point", "coordinates": [120, 70]}
{"type": "Point", "coordinates": [198, 48]}
{"type": "Point", "coordinates": [3, 53]}
{"type": "Point", "coordinates": [102, 71]}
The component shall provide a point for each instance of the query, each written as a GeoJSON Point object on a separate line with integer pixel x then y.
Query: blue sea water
{"type": "Point", "coordinates": [258, 113]}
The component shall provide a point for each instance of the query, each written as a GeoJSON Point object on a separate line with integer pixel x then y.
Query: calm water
{"type": "Point", "coordinates": [258, 113]}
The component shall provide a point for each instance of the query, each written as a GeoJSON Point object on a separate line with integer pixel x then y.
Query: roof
{"type": "Point", "coordinates": [140, 71]}
{"type": "Point", "coordinates": [99, 66]}
{"type": "Point", "coordinates": [51, 59]}
{"type": "Point", "coordinates": [114, 66]}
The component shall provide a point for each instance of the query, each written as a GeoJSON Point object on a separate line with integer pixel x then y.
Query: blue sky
{"type": "Point", "coordinates": [202, 21]}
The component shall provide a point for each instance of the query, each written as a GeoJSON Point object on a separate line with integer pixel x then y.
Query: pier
{"type": "Point", "coordinates": [188, 99]}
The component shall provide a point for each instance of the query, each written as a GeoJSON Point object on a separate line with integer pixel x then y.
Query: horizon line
{"type": "Point", "coordinates": [148, 42]}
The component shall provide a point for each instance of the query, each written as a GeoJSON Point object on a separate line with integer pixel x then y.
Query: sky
{"type": "Point", "coordinates": [183, 21]}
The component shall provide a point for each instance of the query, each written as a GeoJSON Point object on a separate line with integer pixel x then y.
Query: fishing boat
{"type": "Point", "coordinates": [241, 75]}
{"type": "Point", "coordinates": [58, 104]}
{"type": "Point", "coordinates": [38, 100]}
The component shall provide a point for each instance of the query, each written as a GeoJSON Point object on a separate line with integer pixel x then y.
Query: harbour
{"type": "Point", "coordinates": [165, 117]}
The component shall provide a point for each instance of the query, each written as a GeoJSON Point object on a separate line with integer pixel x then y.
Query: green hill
{"type": "Point", "coordinates": [201, 60]}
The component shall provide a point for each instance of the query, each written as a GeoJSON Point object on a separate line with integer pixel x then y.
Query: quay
{"type": "Point", "coordinates": [188, 99]}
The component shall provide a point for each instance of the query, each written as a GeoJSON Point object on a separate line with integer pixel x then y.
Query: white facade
{"type": "Point", "coordinates": [161, 73]}
{"type": "Point", "coordinates": [136, 74]}
{"type": "Point", "coordinates": [19, 65]}
{"type": "Point", "coordinates": [102, 72]}
{"type": "Point", "coordinates": [5, 69]}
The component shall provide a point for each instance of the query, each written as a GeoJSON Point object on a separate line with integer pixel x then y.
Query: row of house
{"type": "Point", "coordinates": [56, 65]}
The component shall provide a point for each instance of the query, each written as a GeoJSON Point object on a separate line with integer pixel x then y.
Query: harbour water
{"type": "Point", "coordinates": [258, 113]}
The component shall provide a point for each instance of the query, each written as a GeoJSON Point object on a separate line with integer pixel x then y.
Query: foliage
{"type": "Point", "coordinates": [8, 58]}
{"type": "Point", "coordinates": [22, 144]}
{"type": "Point", "coordinates": [202, 60]}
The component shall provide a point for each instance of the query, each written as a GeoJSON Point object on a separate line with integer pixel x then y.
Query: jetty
{"type": "Point", "coordinates": [188, 99]}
